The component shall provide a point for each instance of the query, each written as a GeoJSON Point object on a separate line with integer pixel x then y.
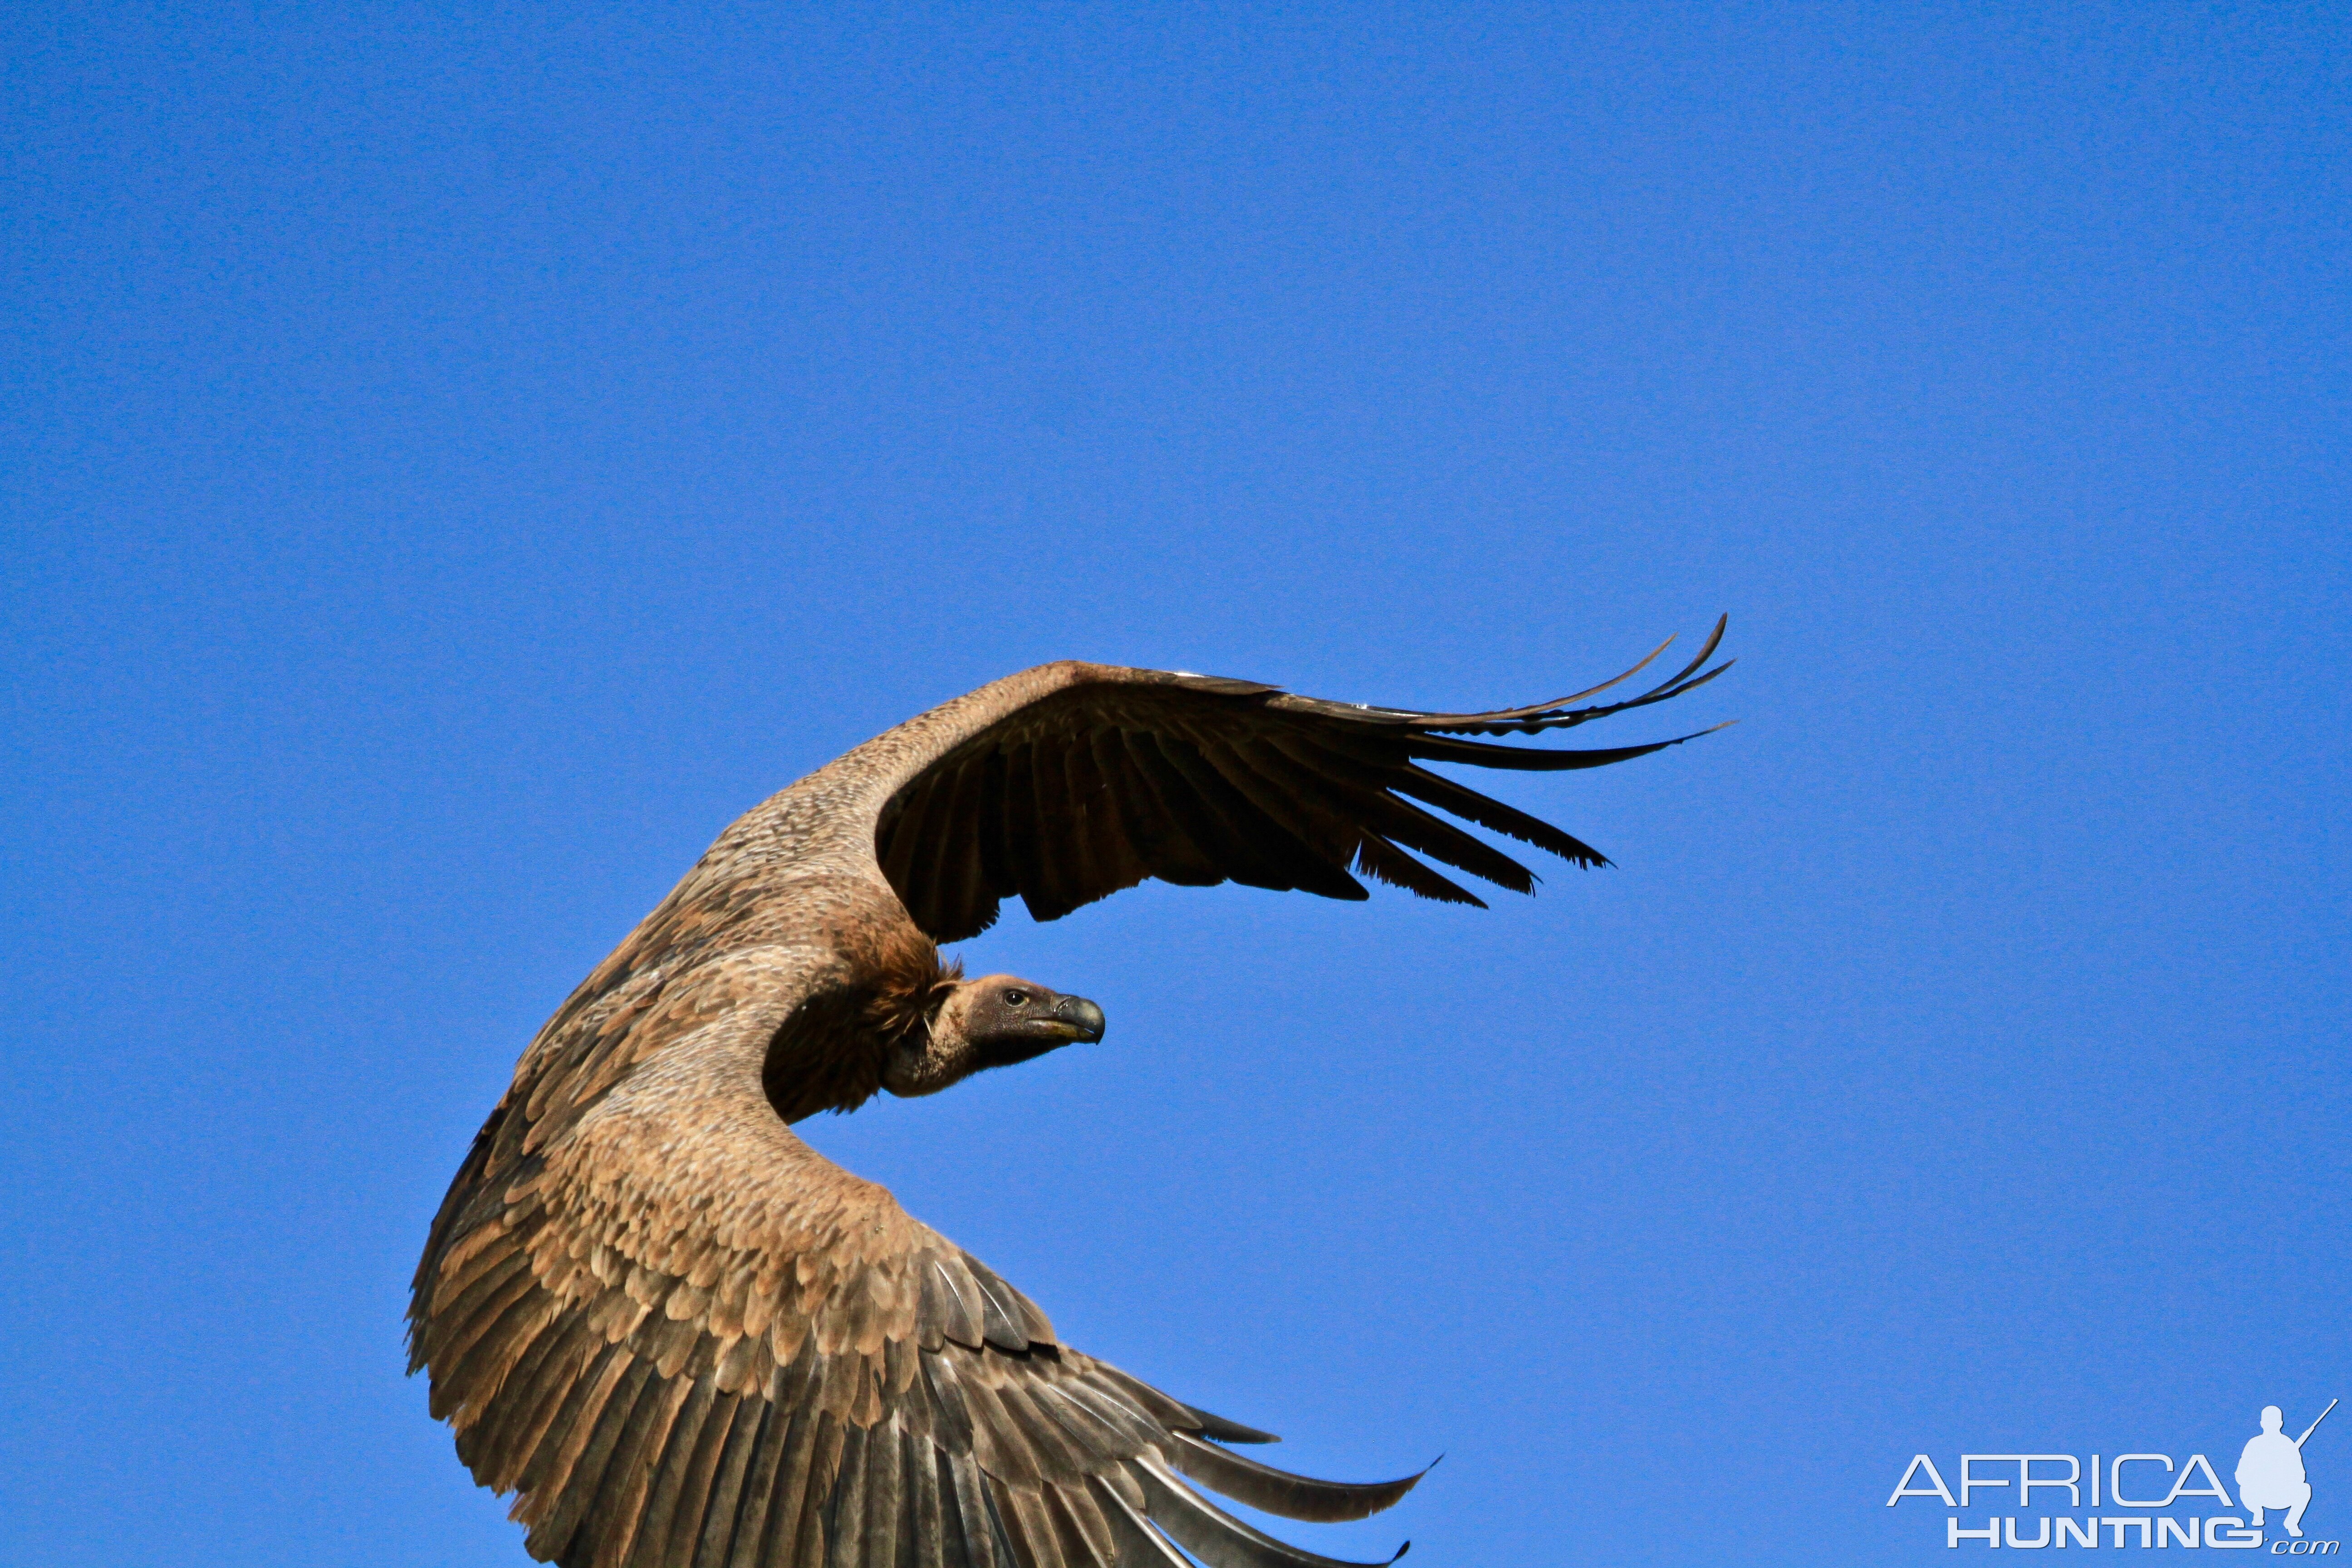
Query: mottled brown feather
{"type": "Point", "coordinates": [743, 1440]}
{"type": "Point", "coordinates": [649, 1546]}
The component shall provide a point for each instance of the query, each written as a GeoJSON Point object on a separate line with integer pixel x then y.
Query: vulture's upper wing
{"type": "Point", "coordinates": [688, 1340]}
{"type": "Point", "coordinates": [1067, 788]}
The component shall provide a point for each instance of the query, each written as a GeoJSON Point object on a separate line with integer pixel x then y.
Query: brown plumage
{"type": "Point", "coordinates": [686, 1339]}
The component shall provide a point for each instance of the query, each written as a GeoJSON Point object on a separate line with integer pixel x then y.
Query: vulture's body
{"type": "Point", "coordinates": [686, 1338]}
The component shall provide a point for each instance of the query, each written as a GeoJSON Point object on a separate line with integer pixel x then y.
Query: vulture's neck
{"type": "Point", "coordinates": [830, 1052]}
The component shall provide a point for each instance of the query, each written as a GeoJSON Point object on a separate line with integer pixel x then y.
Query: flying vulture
{"type": "Point", "coordinates": [686, 1340]}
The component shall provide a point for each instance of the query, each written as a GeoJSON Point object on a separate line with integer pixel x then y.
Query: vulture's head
{"type": "Point", "coordinates": [991, 1021]}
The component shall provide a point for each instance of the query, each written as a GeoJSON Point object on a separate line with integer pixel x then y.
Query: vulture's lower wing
{"type": "Point", "coordinates": [1065, 783]}
{"type": "Point", "coordinates": [684, 1337]}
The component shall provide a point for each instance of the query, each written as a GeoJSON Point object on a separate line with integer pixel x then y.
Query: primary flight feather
{"type": "Point", "coordinates": [686, 1340]}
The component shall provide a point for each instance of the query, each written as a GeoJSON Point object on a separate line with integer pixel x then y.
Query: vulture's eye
{"type": "Point", "coordinates": [1016, 998]}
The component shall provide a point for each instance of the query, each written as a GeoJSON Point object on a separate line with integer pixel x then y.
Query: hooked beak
{"type": "Point", "coordinates": [1076, 1018]}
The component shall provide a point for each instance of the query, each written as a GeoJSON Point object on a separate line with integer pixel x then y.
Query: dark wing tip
{"type": "Point", "coordinates": [1557, 714]}
{"type": "Point", "coordinates": [1211, 1534]}
{"type": "Point", "coordinates": [1225, 1431]}
{"type": "Point", "coordinates": [1281, 1492]}
{"type": "Point", "coordinates": [1541, 759]}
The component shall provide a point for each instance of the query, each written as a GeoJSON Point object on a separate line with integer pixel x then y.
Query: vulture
{"type": "Point", "coordinates": [684, 1339]}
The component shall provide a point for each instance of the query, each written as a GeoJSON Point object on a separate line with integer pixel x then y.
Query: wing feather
{"type": "Point", "coordinates": [885, 1498]}
{"type": "Point", "coordinates": [1140, 1545]}
{"type": "Point", "coordinates": [569, 1435]}
{"type": "Point", "coordinates": [1308, 816]}
{"type": "Point", "coordinates": [1084, 808]}
{"type": "Point", "coordinates": [910, 837]}
{"type": "Point", "coordinates": [957, 891]}
{"type": "Point", "coordinates": [699, 1483]}
{"type": "Point", "coordinates": [760, 1499]}
{"type": "Point", "coordinates": [974, 1513]}
{"type": "Point", "coordinates": [1214, 1536]}
{"type": "Point", "coordinates": [668, 1474]}
{"type": "Point", "coordinates": [928, 1528]}
{"type": "Point", "coordinates": [469, 1325]}
{"type": "Point", "coordinates": [1036, 1543]}
{"type": "Point", "coordinates": [1360, 797]}
{"type": "Point", "coordinates": [845, 1508]}
{"type": "Point", "coordinates": [1377, 857]}
{"type": "Point", "coordinates": [616, 1511]}
{"type": "Point", "coordinates": [1274, 1491]}
{"type": "Point", "coordinates": [1101, 776]}
{"type": "Point", "coordinates": [714, 1548]}
{"type": "Point", "coordinates": [1265, 854]}
{"type": "Point", "coordinates": [1061, 870]}
{"type": "Point", "coordinates": [995, 855]}
{"type": "Point", "coordinates": [1189, 817]}
{"type": "Point", "coordinates": [1123, 856]}
{"type": "Point", "coordinates": [1447, 796]}
{"type": "Point", "coordinates": [1086, 1532]}
{"type": "Point", "coordinates": [1025, 833]}
{"type": "Point", "coordinates": [1149, 828]}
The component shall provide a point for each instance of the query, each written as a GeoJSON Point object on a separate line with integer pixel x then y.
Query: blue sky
{"type": "Point", "coordinates": [454, 460]}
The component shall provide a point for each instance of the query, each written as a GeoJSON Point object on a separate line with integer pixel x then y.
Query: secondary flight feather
{"type": "Point", "coordinates": [686, 1340]}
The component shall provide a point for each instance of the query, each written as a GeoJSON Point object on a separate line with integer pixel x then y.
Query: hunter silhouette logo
{"type": "Point", "coordinates": [2270, 1472]}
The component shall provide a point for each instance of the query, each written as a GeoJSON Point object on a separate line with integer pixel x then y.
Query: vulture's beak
{"type": "Point", "coordinates": [1076, 1018]}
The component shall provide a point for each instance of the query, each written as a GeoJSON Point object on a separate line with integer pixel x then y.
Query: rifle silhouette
{"type": "Point", "coordinates": [2306, 1431]}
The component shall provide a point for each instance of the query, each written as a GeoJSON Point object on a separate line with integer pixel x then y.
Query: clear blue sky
{"type": "Point", "coordinates": [454, 460]}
